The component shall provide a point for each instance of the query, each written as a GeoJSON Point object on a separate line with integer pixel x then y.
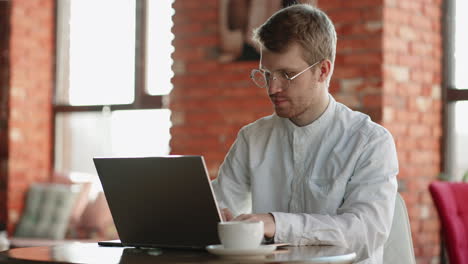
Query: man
{"type": "Point", "coordinates": [315, 172]}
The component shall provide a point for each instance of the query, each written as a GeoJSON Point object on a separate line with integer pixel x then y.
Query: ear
{"type": "Point", "coordinates": [325, 70]}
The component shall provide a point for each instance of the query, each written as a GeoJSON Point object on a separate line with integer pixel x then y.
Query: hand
{"type": "Point", "coordinates": [226, 214]}
{"type": "Point", "coordinates": [267, 219]}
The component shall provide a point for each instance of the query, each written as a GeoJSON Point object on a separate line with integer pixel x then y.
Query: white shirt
{"type": "Point", "coordinates": [332, 182]}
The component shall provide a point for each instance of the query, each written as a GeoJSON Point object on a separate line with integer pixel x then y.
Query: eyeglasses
{"type": "Point", "coordinates": [263, 78]}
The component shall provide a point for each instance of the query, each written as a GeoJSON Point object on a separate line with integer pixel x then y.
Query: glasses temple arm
{"type": "Point", "coordinates": [294, 77]}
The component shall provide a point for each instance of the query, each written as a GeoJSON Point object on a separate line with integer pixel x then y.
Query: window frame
{"type": "Point", "coordinates": [142, 99]}
{"type": "Point", "coordinates": [450, 93]}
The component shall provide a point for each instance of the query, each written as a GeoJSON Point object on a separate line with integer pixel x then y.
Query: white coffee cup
{"type": "Point", "coordinates": [240, 234]}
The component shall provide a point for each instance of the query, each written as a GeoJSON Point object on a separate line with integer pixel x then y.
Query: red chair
{"type": "Point", "coordinates": [451, 201]}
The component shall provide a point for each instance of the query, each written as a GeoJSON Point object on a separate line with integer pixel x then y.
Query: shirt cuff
{"type": "Point", "coordinates": [281, 232]}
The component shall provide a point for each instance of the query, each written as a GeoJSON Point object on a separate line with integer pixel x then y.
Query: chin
{"type": "Point", "coordinates": [283, 114]}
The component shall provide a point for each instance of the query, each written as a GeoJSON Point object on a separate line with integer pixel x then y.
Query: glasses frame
{"type": "Point", "coordinates": [274, 78]}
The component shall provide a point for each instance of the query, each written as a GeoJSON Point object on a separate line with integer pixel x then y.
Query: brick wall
{"type": "Point", "coordinates": [30, 95]}
{"type": "Point", "coordinates": [412, 109]}
{"type": "Point", "coordinates": [388, 66]}
{"type": "Point", "coordinates": [357, 80]}
{"type": "Point", "coordinates": [210, 101]}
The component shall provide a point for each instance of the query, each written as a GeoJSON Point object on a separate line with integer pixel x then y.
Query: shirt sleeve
{"type": "Point", "coordinates": [364, 219]}
{"type": "Point", "coordinates": [232, 186]}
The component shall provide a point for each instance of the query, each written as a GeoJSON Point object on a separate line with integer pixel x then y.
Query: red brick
{"type": "Point", "coordinates": [397, 16]}
{"type": "Point", "coordinates": [330, 5]}
{"type": "Point", "coordinates": [420, 158]}
{"type": "Point", "coordinates": [359, 29]}
{"type": "Point", "coordinates": [397, 129]}
{"type": "Point", "coordinates": [421, 22]}
{"type": "Point", "coordinates": [372, 13]}
{"type": "Point", "coordinates": [396, 45]}
{"type": "Point", "coordinates": [431, 250]}
{"type": "Point", "coordinates": [371, 43]}
{"type": "Point", "coordinates": [417, 130]}
{"type": "Point", "coordinates": [410, 60]}
{"type": "Point", "coordinates": [194, 5]}
{"type": "Point", "coordinates": [364, 4]}
{"type": "Point", "coordinates": [391, 29]}
{"type": "Point", "coordinates": [348, 72]}
{"type": "Point", "coordinates": [196, 41]}
{"type": "Point", "coordinates": [341, 16]}
{"type": "Point", "coordinates": [410, 6]}
{"type": "Point", "coordinates": [372, 100]}
{"type": "Point", "coordinates": [431, 227]}
{"type": "Point", "coordinates": [32, 37]}
{"type": "Point", "coordinates": [204, 67]}
{"type": "Point", "coordinates": [188, 29]}
{"type": "Point", "coordinates": [421, 49]}
{"type": "Point", "coordinates": [369, 58]}
{"type": "Point", "coordinates": [204, 15]}
{"type": "Point", "coordinates": [421, 76]}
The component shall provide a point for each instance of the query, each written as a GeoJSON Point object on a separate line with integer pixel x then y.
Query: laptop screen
{"type": "Point", "coordinates": [160, 201]}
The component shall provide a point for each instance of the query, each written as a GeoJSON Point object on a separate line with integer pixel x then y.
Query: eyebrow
{"type": "Point", "coordinates": [287, 69]}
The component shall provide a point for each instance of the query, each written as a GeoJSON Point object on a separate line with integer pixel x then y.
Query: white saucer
{"type": "Point", "coordinates": [260, 251]}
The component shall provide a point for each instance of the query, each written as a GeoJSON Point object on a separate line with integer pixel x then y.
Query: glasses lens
{"type": "Point", "coordinates": [258, 77]}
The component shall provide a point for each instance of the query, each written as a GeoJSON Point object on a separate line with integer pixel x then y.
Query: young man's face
{"type": "Point", "coordinates": [302, 99]}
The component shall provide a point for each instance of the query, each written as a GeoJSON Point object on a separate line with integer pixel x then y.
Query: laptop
{"type": "Point", "coordinates": [164, 202]}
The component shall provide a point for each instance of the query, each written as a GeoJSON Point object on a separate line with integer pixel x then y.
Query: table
{"type": "Point", "coordinates": [92, 253]}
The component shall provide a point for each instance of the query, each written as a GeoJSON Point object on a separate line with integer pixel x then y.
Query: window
{"type": "Point", "coordinates": [456, 89]}
{"type": "Point", "coordinates": [113, 72]}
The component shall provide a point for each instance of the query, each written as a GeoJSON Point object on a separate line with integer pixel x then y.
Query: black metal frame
{"type": "Point", "coordinates": [142, 100]}
{"type": "Point", "coordinates": [5, 14]}
{"type": "Point", "coordinates": [450, 94]}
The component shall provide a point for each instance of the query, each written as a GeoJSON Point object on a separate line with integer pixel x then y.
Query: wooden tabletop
{"type": "Point", "coordinates": [92, 253]}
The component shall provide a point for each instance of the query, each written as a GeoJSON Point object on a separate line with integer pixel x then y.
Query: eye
{"type": "Point", "coordinates": [287, 74]}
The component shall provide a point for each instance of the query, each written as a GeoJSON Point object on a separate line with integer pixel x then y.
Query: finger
{"type": "Point", "coordinates": [227, 214]}
{"type": "Point", "coordinates": [246, 217]}
{"type": "Point", "coordinates": [223, 214]}
{"type": "Point", "coordinates": [240, 217]}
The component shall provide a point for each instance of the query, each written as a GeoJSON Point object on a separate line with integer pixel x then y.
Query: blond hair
{"type": "Point", "coordinates": [303, 24]}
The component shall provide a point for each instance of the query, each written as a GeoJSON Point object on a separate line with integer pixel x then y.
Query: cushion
{"type": "Point", "coordinates": [449, 199]}
{"type": "Point", "coordinates": [47, 211]}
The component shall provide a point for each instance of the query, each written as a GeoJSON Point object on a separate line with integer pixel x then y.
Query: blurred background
{"type": "Point", "coordinates": [86, 78]}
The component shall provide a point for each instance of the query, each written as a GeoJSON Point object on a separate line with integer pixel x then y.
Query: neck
{"type": "Point", "coordinates": [313, 113]}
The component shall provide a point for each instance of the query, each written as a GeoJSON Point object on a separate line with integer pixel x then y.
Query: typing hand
{"type": "Point", "coordinates": [226, 214]}
{"type": "Point", "coordinates": [268, 221]}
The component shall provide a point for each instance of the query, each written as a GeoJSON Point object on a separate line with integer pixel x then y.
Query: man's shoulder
{"type": "Point", "coordinates": [260, 126]}
{"type": "Point", "coordinates": [359, 123]}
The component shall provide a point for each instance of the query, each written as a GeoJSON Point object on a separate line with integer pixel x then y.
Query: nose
{"type": "Point", "coordinates": [274, 86]}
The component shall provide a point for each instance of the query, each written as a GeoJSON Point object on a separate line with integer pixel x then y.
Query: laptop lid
{"type": "Point", "coordinates": [160, 201]}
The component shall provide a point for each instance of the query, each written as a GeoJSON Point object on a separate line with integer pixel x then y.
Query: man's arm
{"type": "Point", "coordinates": [232, 186]}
